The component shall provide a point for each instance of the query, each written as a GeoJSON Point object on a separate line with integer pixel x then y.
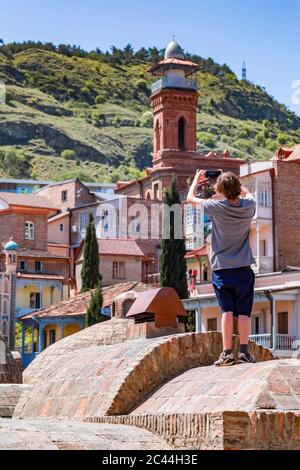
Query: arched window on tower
{"type": "Point", "coordinates": [157, 136]}
{"type": "Point", "coordinates": [181, 133]}
{"type": "Point", "coordinates": [4, 328]}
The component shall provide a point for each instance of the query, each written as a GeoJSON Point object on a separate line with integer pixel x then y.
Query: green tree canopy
{"type": "Point", "coordinates": [93, 313]}
{"type": "Point", "coordinates": [90, 274]}
{"type": "Point", "coordinates": [173, 263]}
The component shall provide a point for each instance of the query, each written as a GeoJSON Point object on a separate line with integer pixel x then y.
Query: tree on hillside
{"type": "Point", "coordinates": [173, 263]}
{"type": "Point", "coordinates": [90, 275]}
{"type": "Point", "coordinates": [93, 313]}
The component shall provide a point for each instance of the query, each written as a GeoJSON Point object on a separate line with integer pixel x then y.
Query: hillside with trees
{"type": "Point", "coordinates": [70, 113]}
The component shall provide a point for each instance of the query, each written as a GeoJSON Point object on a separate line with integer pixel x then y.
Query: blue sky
{"type": "Point", "coordinates": [264, 33]}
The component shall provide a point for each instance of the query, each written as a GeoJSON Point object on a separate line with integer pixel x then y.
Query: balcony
{"type": "Point", "coordinates": [263, 212]}
{"type": "Point", "coordinates": [174, 82]}
{"type": "Point", "coordinates": [264, 264]}
{"type": "Point", "coordinates": [21, 311]}
{"type": "Point", "coordinates": [282, 342]}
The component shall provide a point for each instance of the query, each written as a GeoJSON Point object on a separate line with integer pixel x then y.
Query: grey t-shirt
{"type": "Point", "coordinates": [230, 247]}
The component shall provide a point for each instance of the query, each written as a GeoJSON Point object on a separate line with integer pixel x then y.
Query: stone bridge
{"type": "Point", "coordinates": [165, 386]}
{"type": "Point", "coordinates": [98, 372]}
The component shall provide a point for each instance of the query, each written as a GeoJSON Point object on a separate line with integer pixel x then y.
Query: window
{"type": "Point", "coordinates": [193, 216]}
{"type": "Point", "coordinates": [23, 265]}
{"type": "Point", "coordinates": [29, 231]}
{"type": "Point", "coordinates": [35, 300]}
{"type": "Point", "coordinates": [204, 273]}
{"type": "Point", "coordinates": [64, 196]}
{"type": "Point", "coordinates": [44, 339]}
{"type": "Point", "coordinates": [52, 334]}
{"type": "Point", "coordinates": [137, 225]}
{"type": "Point", "coordinates": [264, 247]}
{"type": "Point", "coordinates": [118, 270]}
{"type": "Point", "coordinates": [38, 266]}
{"type": "Point", "coordinates": [4, 328]}
{"type": "Point", "coordinates": [61, 227]}
{"type": "Point", "coordinates": [212, 324]}
{"type": "Point", "coordinates": [83, 221]}
{"type": "Point", "coordinates": [181, 133]}
{"type": "Point", "coordinates": [156, 190]}
{"type": "Point", "coordinates": [283, 323]}
{"type": "Point", "coordinates": [256, 325]}
{"type": "Point", "coordinates": [157, 135]}
{"type": "Point", "coordinates": [263, 198]}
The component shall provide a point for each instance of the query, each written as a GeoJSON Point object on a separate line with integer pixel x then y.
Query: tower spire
{"type": "Point", "coordinates": [244, 71]}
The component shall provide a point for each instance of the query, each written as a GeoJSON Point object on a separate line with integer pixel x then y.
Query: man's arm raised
{"type": "Point", "coordinates": [191, 197]}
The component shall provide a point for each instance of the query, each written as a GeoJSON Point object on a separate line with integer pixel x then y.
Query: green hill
{"type": "Point", "coordinates": [71, 113]}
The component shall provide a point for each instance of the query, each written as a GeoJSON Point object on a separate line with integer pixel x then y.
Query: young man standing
{"type": "Point", "coordinates": [231, 210]}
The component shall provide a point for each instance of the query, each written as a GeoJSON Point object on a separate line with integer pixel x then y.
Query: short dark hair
{"type": "Point", "coordinates": [229, 185]}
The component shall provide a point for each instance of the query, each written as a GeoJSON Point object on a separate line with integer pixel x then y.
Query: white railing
{"type": "Point", "coordinates": [262, 340]}
{"type": "Point", "coordinates": [174, 82]}
{"type": "Point", "coordinates": [282, 342]}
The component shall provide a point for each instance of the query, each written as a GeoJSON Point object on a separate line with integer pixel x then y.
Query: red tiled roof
{"type": "Point", "coordinates": [201, 251]}
{"type": "Point", "coordinates": [119, 246]}
{"type": "Point", "coordinates": [40, 276]}
{"type": "Point", "coordinates": [174, 61]}
{"type": "Point", "coordinates": [295, 155]}
{"type": "Point", "coordinates": [26, 253]}
{"type": "Point", "coordinates": [76, 306]}
{"type": "Point", "coordinates": [30, 200]}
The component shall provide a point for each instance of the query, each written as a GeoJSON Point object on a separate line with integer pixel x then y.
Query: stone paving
{"type": "Point", "coordinates": [63, 435]}
{"type": "Point", "coordinates": [245, 387]}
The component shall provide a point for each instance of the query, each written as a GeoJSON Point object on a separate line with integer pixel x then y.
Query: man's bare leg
{"type": "Point", "coordinates": [244, 331]}
{"type": "Point", "coordinates": [226, 358]}
{"type": "Point", "coordinates": [227, 330]}
{"type": "Point", "coordinates": [244, 328]}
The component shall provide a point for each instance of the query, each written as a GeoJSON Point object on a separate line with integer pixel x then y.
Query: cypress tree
{"type": "Point", "coordinates": [90, 275]}
{"type": "Point", "coordinates": [173, 264]}
{"type": "Point", "coordinates": [93, 313]}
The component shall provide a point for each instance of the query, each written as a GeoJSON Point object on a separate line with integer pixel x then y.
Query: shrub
{"type": "Point", "coordinates": [99, 99]}
{"type": "Point", "coordinates": [141, 84]}
{"type": "Point", "coordinates": [15, 162]}
{"type": "Point", "coordinates": [282, 139]}
{"type": "Point", "coordinates": [68, 154]}
{"type": "Point", "coordinates": [207, 138]}
{"type": "Point", "coordinates": [147, 119]}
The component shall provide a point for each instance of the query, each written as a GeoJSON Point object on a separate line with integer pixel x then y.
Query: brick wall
{"type": "Point", "coordinates": [287, 214]}
{"type": "Point", "coordinates": [14, 225]}
{"type": "Point", "coordinates": [77, 194]}
{"type": "Point", "coordinates": [133, 270]}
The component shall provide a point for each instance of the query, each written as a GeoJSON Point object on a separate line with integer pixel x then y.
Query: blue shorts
{"type": "Point", "coordinates": [234, 289]}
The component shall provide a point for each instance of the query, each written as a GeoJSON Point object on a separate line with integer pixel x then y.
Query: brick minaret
{"type": "Point", "coordinates": [174, 102]}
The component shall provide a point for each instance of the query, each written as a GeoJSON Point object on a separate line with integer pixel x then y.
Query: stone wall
{"type": "Point", "coordinates": [259, 430]}
{"type": "Point", "coordinates": [10, 373]}
{"type": "Point", "coordinates": [10, 394]}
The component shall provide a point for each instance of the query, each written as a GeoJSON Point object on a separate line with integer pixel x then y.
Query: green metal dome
{"type": "Point", "coordinates": [174, 51]}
